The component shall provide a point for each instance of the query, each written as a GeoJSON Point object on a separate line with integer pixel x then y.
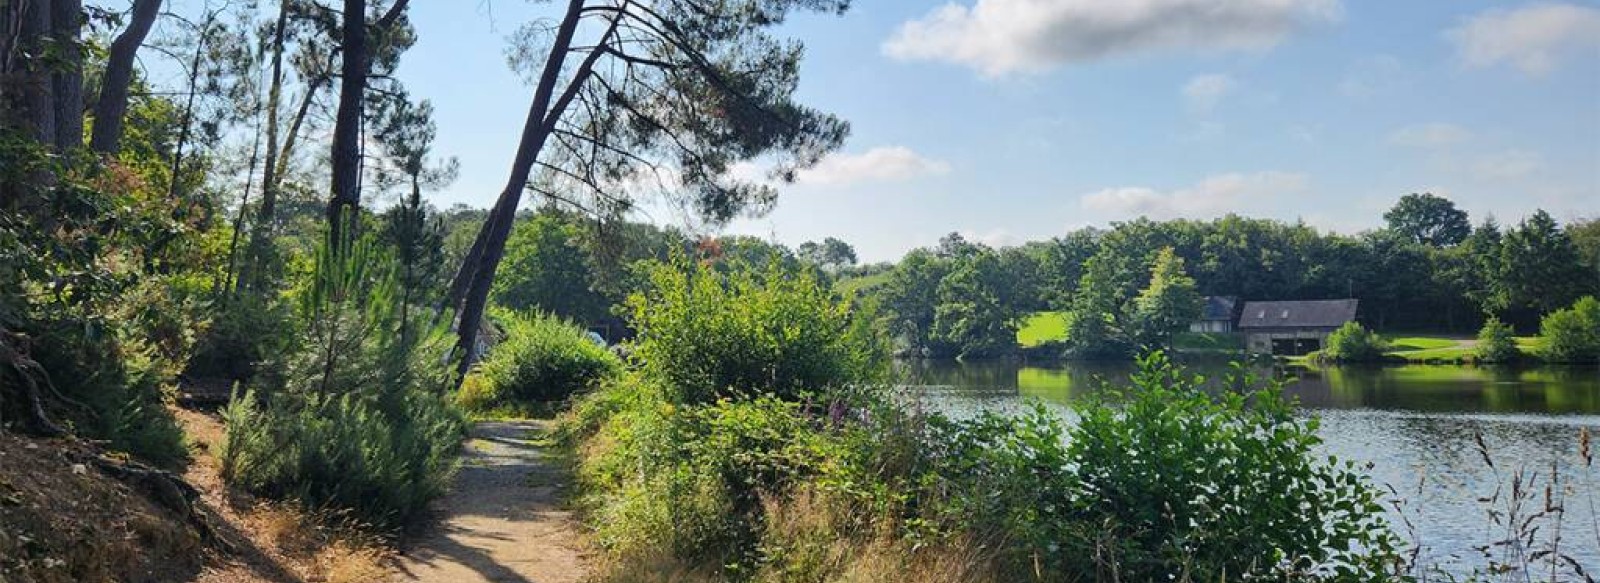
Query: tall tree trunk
{"type": "Point", "coordinates": [292, 137]}
{"type": "Point", "coordinates": [113, 102]}
{"type": "Point", "coordinates": [38, 90]}
{"type": "Point", "coordinates": [255, 254]}
{"type": "Point", "coordinates": [66, 23]}
{"type": "Point", "coordinates": [542, 117]}
{"type": "Point", "coordinates": [186, 128]}
{"type": "Point", "coordinates": [347, 122]}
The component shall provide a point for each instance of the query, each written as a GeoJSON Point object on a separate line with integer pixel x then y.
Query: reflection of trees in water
{"type": "Point", "coordinates": [1421, 388]}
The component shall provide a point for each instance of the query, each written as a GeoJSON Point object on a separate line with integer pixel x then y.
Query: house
{"type": "Point", "coordinates": [1217, 315]}
{"type": "Point", "coordinates": [1292, 328]}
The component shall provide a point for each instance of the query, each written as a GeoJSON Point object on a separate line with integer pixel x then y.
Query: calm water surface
{"type": "Point", "coordinates": [1413, 424]}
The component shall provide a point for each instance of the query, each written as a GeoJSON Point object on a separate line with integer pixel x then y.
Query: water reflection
{"type": "Point", "coordinates": [1418, 388]}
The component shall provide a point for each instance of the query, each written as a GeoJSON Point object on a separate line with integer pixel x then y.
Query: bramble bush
{"type": "Point", "coordinates": [542, 359]}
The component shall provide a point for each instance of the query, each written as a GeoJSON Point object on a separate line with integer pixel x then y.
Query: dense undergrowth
{"type": "Point", "coordinates": [731, 466]}
{"type": "Point", "coordinates": [542, 359]}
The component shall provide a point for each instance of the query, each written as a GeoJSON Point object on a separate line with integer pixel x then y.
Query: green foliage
{"type": "Point", "coordinates": [247, 337]}
{"type": "Point", "coordinates": [542, 358]}
{"type": "Point", "coordinates": [1497, 343]}
{"type": "Point", "coordinates": [1429, 220]}
{"type": "Point", "coordinates": [1167, 306]}
{"type": "Point", "coordinates": [546, 269]}
{"type": "Point", "coordinates": [344, 450]}
{"type": "Point", "coordinates": [1352, 342]}
{"type": "Point", "coordinates": [1219, 486]}
{"type": "Point", "coordinates": [101, 283]}
{"type": "Point", "coordinates": [1572, 334]}
{"type": "Point", "coordinates": [708, 335]}
{"type": "Point", "coordinates": [973, 312]}
{"type": "Point", "coordinates": [118, 387]}
{"type": "Point", "coordinates": [1094, 329]}
{"type": "Point", "coordinates": [361, 421]}
{"type": "Point", "coordinates": [1540, 270]}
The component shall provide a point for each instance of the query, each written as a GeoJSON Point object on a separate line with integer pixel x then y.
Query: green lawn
{"type": "Point", "coordinates": [1441, 348]}
{"type": "Point", "coordinates": [1412, 343]}
{"type": "Point", "coordinates": [1042, 327]}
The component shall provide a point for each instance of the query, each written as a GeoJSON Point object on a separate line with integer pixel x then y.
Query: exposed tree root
{"type": "Point", "coordinates": [14, 355]}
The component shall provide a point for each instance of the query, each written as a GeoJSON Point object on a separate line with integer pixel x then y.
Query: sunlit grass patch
{"type": "Point", "coordinates": [1042, 327]}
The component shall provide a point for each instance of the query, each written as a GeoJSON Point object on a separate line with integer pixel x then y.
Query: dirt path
{"type": "Point", "coordinates": [502, 521]}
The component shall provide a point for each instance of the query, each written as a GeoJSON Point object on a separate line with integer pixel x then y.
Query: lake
{"type": "Point", "coordinates": [1414, 424]}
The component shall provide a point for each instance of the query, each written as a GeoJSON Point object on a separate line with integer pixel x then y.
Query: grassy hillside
{"type": "Point", "coordinates": [1042, 327]}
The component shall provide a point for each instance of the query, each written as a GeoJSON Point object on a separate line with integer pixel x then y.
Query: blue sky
{"type": "Point", "coordinates": [1011, 120]}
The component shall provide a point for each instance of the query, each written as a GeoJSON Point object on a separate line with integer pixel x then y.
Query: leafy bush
{"type": "Point", "coordinates": [707, 335]}
{"type": "Point", "coordinates": [1497, 343]}
{"type": "Point", "coordinates": [1572, 334]}
{"type": "Point", "coordinates": [543, 358]}
{"type": "Point", "coordinates": [362, 422]}
{"type": "Point", "coordinates": [1185, 483]}
{"type": "Point", "coordinates": [1352, 342]}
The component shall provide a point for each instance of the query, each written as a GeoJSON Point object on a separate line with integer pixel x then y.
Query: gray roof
{"type": "Point", "coordinates": [1298, 314]}
{"type": "Point", "coordinates": [1218, 308]}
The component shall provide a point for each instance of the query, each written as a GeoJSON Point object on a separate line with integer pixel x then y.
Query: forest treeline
{"type": "Point", "coordinates": [1428, 270]}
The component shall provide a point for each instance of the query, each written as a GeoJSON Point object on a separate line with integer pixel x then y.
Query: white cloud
{"type": "Point", "coordinates": [1202, 92]}
{"type": "Point", "coordinates": [1507, 165]}
{"type": "Point", "coordinates": [880, 164]}
{"type": "Point", "coordinates": [1006, 36]}
{"type": "Point", "coordinates": [1534, 38]}
{"type": "Point", "coordinates": [1429, 135]}
{"type": "Point", "coordinates": [1213, 196]}
{"type": "Point", "coordinates": [996, 238]}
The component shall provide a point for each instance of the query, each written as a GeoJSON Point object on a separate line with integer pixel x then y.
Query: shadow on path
{"type": "Point", "coordinates": [502, 520]}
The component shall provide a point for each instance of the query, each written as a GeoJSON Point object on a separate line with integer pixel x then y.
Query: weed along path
{"type": "Point", "coordinates": [502, 521]}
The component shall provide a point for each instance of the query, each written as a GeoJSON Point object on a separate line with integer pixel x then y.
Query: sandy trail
{"type": "Point", "coordinates": [502, 520]}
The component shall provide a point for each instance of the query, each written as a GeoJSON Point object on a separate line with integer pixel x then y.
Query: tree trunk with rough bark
{"type": "Point", "coordinates": [113, 102]}
{"type": "Point", "coordinates": [478, 269]}
{"type": "Point", "coordinates": [66, 24]}
{"type": "Point", "coordinates": [346, 197]}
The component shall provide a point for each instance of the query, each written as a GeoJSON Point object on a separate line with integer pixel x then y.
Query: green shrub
{"type": "Point", "coordinates": [707, 335]}
{"type": "Point", "coordinates": [362, 423]}
{"type": "Point", "coordinates": [248, 332]}
{"type": "Point", "coordinates": [1572, 334]}
{"type": "Point", "coordinates": [1497, 343]}
{"type": "Point", "coordinates": [543, 358]}
{"type": "Point", "coordinates": [119, 386]}
{"type": "Point", "coordinates": [1185, 483]}
{"type": "Point", "coordinates": [1352, 342]}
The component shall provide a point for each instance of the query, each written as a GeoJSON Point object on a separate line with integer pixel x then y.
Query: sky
{"type": "Point", "coordinates": [1017, 120]}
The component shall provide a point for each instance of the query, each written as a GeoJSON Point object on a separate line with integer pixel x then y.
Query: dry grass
{"type": "Point", "coordinates": [273, 541]}
{"type": "Point", "coordinates": [814, 538]}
